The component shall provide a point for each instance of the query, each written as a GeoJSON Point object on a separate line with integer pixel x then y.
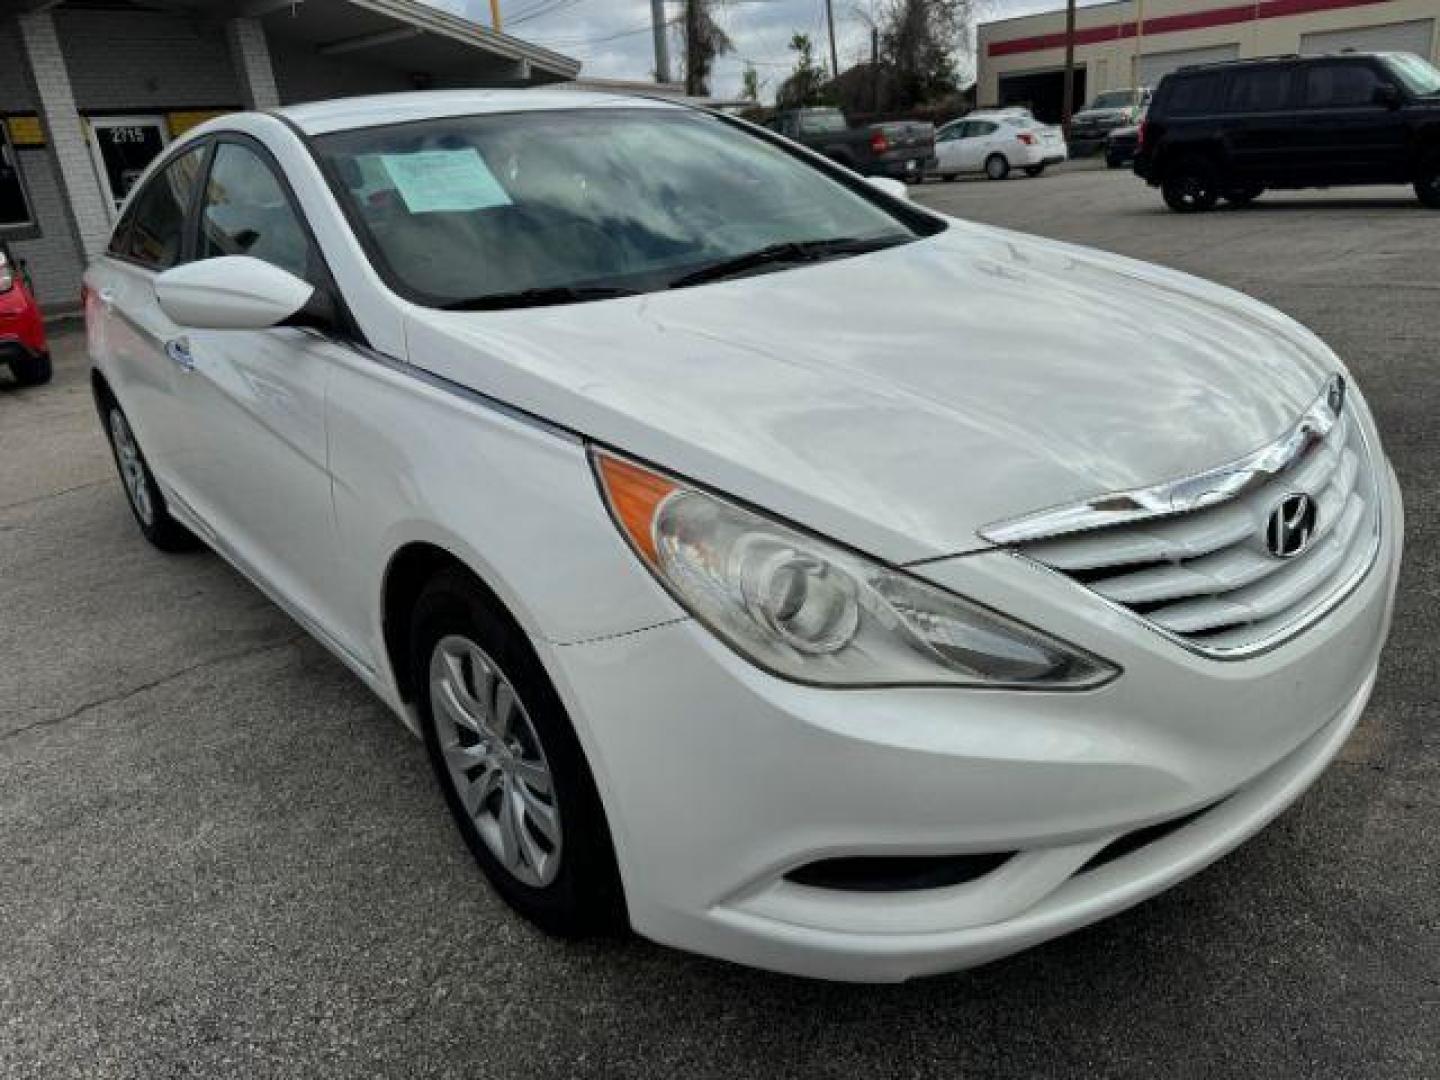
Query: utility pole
{"type": "Point", "coordinates": [495, 15]}
{"type": "Point", "coordinates": [834, 56]}
{"type": "Point", "coordinates": [1067, 110]}
{"type": "Point", "coordinates": [1139, 48]}
{"type": "Point", "coordinates": [874, 69]}
{"type": "Point", "coordinates": [662, 41]}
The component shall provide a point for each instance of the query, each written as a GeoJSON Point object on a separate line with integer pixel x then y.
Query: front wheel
{"type": "Point", "coordinates": [1191, 185]}
{"type": "Point", "coordinates": [509, 763]}
{"type": "Point", "coordinates": [1427, 184]}
{"type": "Point", "coordinates": [143, 493]}
{"type": "Point", "coordinates": [997, 167]}
{"type": "Point", "coordinates": [32, 370]}
{"type": "Point", "coordinates": [1034, 170]}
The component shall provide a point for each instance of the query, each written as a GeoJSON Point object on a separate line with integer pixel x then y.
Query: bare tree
{"type": "Point", "coordinates": [704, 41]}
{"type": "Point", "coordinates": [805, 85]}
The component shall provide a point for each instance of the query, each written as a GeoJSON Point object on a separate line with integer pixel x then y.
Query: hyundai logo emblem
{"type": "Point", "coordinates": [1291, 526]}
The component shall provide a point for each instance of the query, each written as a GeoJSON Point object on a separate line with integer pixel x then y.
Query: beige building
{"type": "Point", "coordinates": [1021, 60]}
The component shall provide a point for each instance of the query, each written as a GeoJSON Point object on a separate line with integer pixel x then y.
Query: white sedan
{"type": "Point", "coordinates": [751, 582]}
{"type": "Point", "coordinates": [996, 142]}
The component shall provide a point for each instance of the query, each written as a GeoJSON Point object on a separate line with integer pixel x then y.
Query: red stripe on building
{"type": "Point", "coordinates": [1174, 24]}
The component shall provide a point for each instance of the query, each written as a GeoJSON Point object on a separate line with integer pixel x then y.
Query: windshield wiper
{"type": "Point", "coordinates": [560, 294]}
{"type": "Point", "coordinates": [789, 253]}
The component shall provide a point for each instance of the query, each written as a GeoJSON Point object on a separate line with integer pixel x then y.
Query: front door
{"type": "Point", "coordinates": [256, 454]}
{"type": "Point", "coordinates": [1346, 133]}
{"type": "Point", "coordinates": [122, 147]}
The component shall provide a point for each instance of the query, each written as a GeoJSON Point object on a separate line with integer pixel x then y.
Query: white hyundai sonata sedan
{"type": "Point", "coordinates": [781, 570]}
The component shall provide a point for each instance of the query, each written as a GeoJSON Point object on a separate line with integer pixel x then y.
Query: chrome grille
{"type": "Point", "coordinates": [1204, 573]}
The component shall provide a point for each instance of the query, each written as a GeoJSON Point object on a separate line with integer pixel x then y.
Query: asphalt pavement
{"type": "Point", "coordinates": [220, 857]}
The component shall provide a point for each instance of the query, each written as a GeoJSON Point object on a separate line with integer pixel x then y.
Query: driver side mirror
{"type": "Point", "coordinates": [896, 189]}
{"type": "Point", "coordinates": [1388, 94]}
{"type": "Point", "coordinates": [239, 292]}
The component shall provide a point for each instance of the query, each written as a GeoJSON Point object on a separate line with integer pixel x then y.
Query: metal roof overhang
{"type": "Point", "coordinates": [404, 35]}
{"type": "Point", "coordinates": [410, 36]}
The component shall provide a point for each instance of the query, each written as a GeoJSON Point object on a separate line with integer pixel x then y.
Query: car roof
{"type": "Point", "coordinates": [345, 114]}
{"type": "Point", "coordinates": [1282, 58]}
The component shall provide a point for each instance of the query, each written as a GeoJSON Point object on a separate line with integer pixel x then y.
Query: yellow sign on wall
{"type": "Point", "coordinates": [181, 122]}
{"type": "Point", "coordinates": [26, 130]}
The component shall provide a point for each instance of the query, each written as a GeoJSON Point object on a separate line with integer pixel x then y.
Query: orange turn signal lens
{"type": "Point", "coordinates": [635, 494]}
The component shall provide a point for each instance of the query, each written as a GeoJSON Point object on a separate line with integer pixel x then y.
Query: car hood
{"type": "Point", "coordinates": [1103, 115]}
{"type": "Point", "coordinates": [900, 401]}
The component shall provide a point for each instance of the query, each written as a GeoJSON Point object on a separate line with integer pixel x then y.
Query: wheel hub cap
{"type": "Point", "coordinates": [495, 760]}
{"type": "Point", "coordinates": [132, 469]}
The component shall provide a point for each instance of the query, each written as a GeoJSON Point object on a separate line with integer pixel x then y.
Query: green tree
{"type": "Point", "coordinates": [922, 43]}
{"type": "Point", "coordinates": [806, 84]}
{"type": "Point", "coordinates": [750, 83]}
{"type": "Point", "coordinates": [704, 41]}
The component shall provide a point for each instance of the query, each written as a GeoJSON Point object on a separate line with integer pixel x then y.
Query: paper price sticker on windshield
{"type": "Point", "coordinates": [436, 181]}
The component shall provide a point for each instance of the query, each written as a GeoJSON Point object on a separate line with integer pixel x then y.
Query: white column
{"type": "Point", "coordinates": [250, 53]}
{"type": "Point", "coordinates": [65, 131]}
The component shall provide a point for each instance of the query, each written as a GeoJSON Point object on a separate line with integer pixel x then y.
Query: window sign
{"type": "Point", "coordinates": [122, 147]}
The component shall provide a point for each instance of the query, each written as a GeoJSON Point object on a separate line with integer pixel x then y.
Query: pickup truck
{"type": "Point", "coordinates": [898, 149]}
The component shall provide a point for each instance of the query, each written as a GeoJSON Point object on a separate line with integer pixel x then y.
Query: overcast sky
{"type": "Point", "coordinates": [613, 39]}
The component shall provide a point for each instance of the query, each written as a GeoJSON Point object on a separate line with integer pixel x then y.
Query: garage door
{"type": "Point", "coordinates": [1416, 37]}
{"type": "Point", "coordinates": [1155, 66]}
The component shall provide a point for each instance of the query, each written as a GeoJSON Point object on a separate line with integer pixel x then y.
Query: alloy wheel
{"type": "Point", "coordinates": [495, 760]}
{"type": "Point", "coordinates": [132, 467]}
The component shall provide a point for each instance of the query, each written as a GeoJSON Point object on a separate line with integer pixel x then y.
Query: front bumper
{"type": "Point", "coordinates": [719, 779]}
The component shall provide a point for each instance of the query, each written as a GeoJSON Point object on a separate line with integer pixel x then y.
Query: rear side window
{"type": "Point", "coordinates": [1194, 95]}
{"type": "Point", "coordinates": [1261, 89]}
{"type": "Point", "coordinates": [1338, 86]}
{"type": "Point", "coordinates": [246, 212]}
{"type": "Point", "coordinates": [152, 231]}
{"type": "Point", "coordinates": [981, 127]}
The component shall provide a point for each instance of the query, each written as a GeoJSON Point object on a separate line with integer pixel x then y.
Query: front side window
{"type": "Point", "coordinates": [247, 212]}
{"type": "Point", "coordinates": [1419, 76]}
{"type": "Point", "coordinates": [461, 211]}
{"type": "Point", "coordinates": [1261, 89]}
{"type": "Point", "coordinates": [153, 228]}
{"type": "Point", "coordinates": [1338, 86]}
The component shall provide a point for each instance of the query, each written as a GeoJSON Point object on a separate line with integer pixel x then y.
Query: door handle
{"type": "Point", "coordinates": [107, 297]}
{"type": "Point", "coordinates": [178, 350]}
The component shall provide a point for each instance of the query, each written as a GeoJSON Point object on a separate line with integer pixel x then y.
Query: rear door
{"type": "Point", "coordinates": [129, 330]}
{"type": "Point", "coordinates": [256, 400]}
{"type": "Point", "coordinates": [1345, 134]}
{"type": "Point", "coordinates": [1260, 122]}
{"type": "Point", "coordinates": [947, 147]}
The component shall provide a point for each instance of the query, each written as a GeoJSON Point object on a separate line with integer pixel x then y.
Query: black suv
{"type": "Point", "coordinates": [1229, 131]}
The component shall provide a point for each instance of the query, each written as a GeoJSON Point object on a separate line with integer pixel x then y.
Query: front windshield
{"type": "Point", "coordinates": [1419, 76]}
{"type": "Point", "coordinates": [459, 209]}
{"type": "Point", "coordinates": [1115, 99]}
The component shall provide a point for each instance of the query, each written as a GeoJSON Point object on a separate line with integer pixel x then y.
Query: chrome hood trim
{"type": "Point", "coordinates": [1204, 489]}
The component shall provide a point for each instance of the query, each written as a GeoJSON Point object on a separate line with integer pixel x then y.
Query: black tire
{"type": "Point", "coordinates": [997, 167]}
{"type": "Point", "coordinates": [1427, 182]}
{"type": "Point", "coordinates": [585, 896]}
{"type": "Point", "coordinates": [949, 177]}
{"type": "Point", "coordinates": [147, 503]}
{"type": "Point", "coordinates": [32, 370]}
{"type": "Point", "coordinates": [1242, 197]}
{"type": "Point", "coordinates": [1191, 185]}
{"type": "Point", "coordinates": [1034, 170]}
{"type": "Point", "coordinates": [1114, 162]}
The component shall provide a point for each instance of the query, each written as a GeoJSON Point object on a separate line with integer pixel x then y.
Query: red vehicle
{"type": "Point", "coordinates": [22, 331]}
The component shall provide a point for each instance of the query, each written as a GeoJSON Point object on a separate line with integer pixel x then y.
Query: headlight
{"type": "Point", "coordinates": [7, 275]}
{"type": "Point", "coordinates": [813, 612]}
